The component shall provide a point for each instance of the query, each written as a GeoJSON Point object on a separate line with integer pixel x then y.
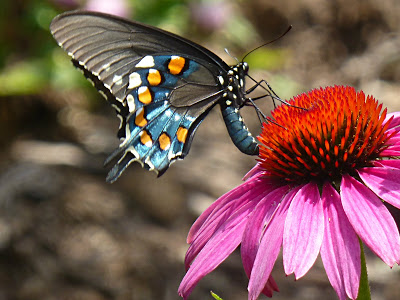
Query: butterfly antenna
{"type": "Point", "coordinates": [267, 43]}
{"type": "Point", "coordinates": [234, 57]}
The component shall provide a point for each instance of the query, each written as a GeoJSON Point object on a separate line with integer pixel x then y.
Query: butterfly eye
{"type": "Point", "coordinates": [245, 67]}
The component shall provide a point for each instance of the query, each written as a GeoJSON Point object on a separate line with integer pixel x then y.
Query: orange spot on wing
{"type": "Point", "coordinates": [176, 65]}
{"type": "Point", "coordinates": [154, 77]}
{"type": "Point", "coordinates": [144, 95]}
{"type": "Point", "coordinates": [145, 138]}
{"type": "Point", "coordinates": [165, 141]}
{"type": "Point", "coordinates": [140, 119]}
{"type": "Point", "coordinates": [181, 134]}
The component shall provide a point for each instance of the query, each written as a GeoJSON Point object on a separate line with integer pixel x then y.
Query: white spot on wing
{"type": "Point", "coordinates": [168, 113]}
{"type": "Point", "coordinates": [117, 79]}
{"type": "Point", "coordinates": [106, 67]}
{"type": "Point", "coordinates": [132, 150]}
{"type": "Point", "coordinates": [127, 135]}
{"type": "Point", "coordinates": [90, 80]}
{"type": "Point", "coordinates": [107, 86]}
{"type": "Point", "coordinates": [131, 103]}
{"type": "Point", "coordinates": [116, 107]}
{"type": "Point", "coordinates": [148, 143]}
{"type": "Point", "coordinates": [190, 118]}
{"type": "Point", "coordinates": [149, 163]}
{"type": "Point", "coordinates": [142, 89]}
{"type": "Point", "coordinates": [121, 121]}
{"type": "Point", "coordinates": [103, 94]}
{"type": "Point", "coordinates": [146, 62]}
{"type": "Point", "coordinates": [172, 155]}
{"type": "Point", "coordinates": [134, 80]}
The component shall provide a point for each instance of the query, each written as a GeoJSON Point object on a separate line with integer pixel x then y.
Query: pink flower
{"type": "Point", "coordinates": [319, 186]}
{"type": "Point", "coordinates": [117, 7]}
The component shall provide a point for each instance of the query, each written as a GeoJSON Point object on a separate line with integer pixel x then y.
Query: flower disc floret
{"type": "Point", "coordinates": [337, 130]}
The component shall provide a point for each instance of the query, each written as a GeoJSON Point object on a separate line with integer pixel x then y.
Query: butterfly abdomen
{"type": "Point", "coordinates": [240, 135]}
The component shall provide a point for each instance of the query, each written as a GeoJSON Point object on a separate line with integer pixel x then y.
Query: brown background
{"type": "Point", "coordinates": [66, 234]}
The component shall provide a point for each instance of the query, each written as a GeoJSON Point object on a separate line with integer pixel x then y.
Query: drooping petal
{"type": "Point", "coordinates": [340, 251]}
{"type": "Point", "coordinates": [304, 230]}
{"type": "Point", "coordinates": [269, 247]}
{"type": "Point", "coordinates": [371, 220]}
{"type": "Point", "coordinates": [385, 182]}
{"type": "Point", "coordinates": [256, 170]}
{"type": "Point", "coordinates": [256, 226]}
{"type": "Point", "coordinates": [229, 199]}
{"type": "Point", "coordinates": [218, 248]}
{"type": "Point", "coordinates": [220, 215]}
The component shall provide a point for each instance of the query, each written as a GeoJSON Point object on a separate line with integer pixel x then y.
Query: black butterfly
{"type": "Point", "coordinates": [161, 85]}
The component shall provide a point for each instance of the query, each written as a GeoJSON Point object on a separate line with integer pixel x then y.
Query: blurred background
{"type": "Point", "coordinates": [67, 234]}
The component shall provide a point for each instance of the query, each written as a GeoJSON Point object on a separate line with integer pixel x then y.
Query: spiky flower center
{"type": "Point", "coordinates": [338, 131]}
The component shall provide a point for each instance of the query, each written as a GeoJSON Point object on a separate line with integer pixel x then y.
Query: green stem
{"type": "Point", "coordinates": [215, 296]}
{"type": "Point", "coordinates": [364, 292]}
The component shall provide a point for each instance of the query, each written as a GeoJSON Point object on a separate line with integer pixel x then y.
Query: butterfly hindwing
{"type": "Point", "coordinates": [155, 136]}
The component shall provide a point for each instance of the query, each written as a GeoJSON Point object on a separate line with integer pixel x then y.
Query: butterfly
{"type": "Point", "coordinates": [161, 85]}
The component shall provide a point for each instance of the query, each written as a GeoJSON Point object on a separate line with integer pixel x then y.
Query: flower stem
{"type": "Point", "coordinates": [215, 296]}
{"type": "Point", "coordinates": [364, 291]}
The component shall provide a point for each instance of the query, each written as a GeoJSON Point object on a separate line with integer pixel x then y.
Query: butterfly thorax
{"type": "Point", "coordinates": [234, 85]}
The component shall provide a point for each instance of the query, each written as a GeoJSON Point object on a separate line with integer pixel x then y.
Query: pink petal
{"type": "Point", "coordinates": [255, 227]}
{"type": "Point", "coordinates": [394, 136]}
{"type": "Point", "coordinates": [221, 214]}
{"type": "Point", "coordinates": [228, 200]}
{"type": "Point", "coordinates": [384, 182]}
{"type": "Point", "coordinates": [269, 248]}
{"type": "Point", "coordinates": [393, 147]}
{"type": "Point", "coordinates": [256, 170]}
{"type": "Point", "coordinates": [395, 121]}
{"type": "Point", "coordinates": [304, 231]}
{"type": "Point", "coordinates": [389, 163]}
{"type": "Point", "coordinates": [340, 251]}
{"type": "Point", "coordinates": [389, 153]}
{"type": "Point", "coordinates": [371, 220]}
{"type": "Point", "coordinates": [218, 248]}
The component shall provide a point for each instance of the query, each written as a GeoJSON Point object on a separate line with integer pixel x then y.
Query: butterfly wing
{"type": "Point", "coordinates": [160, 84]}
